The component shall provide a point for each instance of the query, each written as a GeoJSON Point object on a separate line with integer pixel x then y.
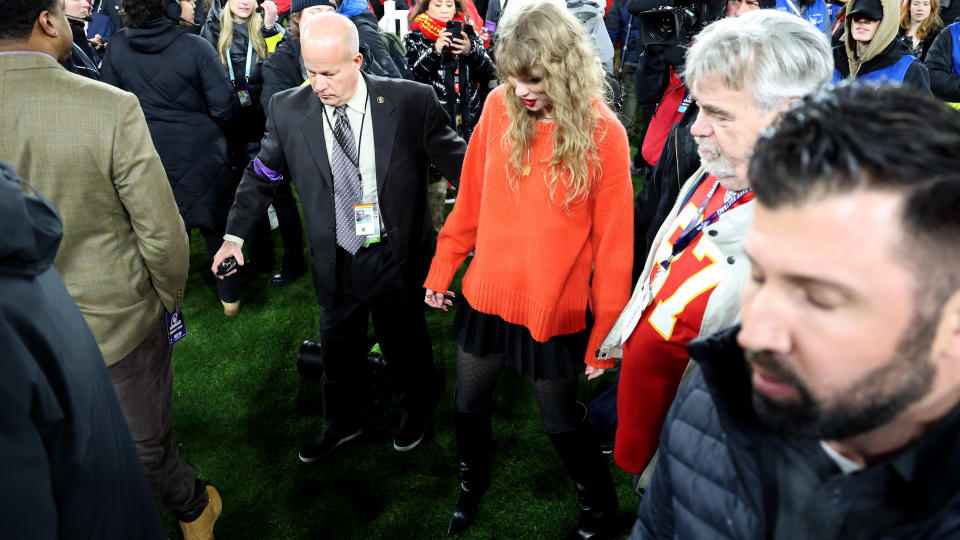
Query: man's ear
{"type": "Point", "coordinates": [45, 23]}
{"type": "Point", "coordinates": [946, 342]}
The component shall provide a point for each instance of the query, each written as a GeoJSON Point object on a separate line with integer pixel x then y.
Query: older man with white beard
{"type": "Point", "coordinates": [742, 72]}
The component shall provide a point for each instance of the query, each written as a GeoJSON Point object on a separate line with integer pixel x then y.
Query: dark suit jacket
{"type": "Point", "coordinates": [410, 130]}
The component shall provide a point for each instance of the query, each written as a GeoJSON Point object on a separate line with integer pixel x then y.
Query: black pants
{"type": "Point", "coordinates": [291, 234]}
{"type": "Point", "coordinates": [228, 288]}
{"type": "Point", "coordinates": [369, 284]}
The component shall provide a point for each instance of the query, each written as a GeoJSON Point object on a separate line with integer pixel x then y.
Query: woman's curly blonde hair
{"type": "Point", "coordinates": [542, 40]}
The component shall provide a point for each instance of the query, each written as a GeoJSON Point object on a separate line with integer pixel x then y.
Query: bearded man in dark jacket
{"type": "Point", "coordinates": [834, 410]}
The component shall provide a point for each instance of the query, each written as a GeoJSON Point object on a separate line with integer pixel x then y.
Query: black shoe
{"type": "Point", "coordinates": [282, 278]}
{"type": "Point", "coordinates": [413, 426]}
{"type": "Point", "coordinates": [325, 443]}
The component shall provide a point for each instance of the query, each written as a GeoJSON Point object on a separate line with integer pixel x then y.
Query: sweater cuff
{"type": "Point", "coordinates": [440, 276]}
{"type": "Point", "coordinates": [596, 338]}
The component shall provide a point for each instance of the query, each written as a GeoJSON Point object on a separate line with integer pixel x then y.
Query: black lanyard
{"type": "Point", "coordinates": [698, 223]}
{"type": "Point", "coordinates": [366, 105]}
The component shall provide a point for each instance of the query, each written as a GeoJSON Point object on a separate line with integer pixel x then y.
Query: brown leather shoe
{"type": "Point", "coordinates": [202, 527]}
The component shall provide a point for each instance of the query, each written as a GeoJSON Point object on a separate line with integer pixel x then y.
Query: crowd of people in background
{"type": "Point", "coordinates": [778, 301]}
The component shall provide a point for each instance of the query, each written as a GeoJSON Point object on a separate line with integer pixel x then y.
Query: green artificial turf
{"type": "Point", "coordinates": [241, 411]}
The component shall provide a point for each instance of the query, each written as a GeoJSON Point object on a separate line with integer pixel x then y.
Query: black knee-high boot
{"type": "Point", "coordinates": [473, 449]}
{"type": "Point", "coordinates": [595, 492]}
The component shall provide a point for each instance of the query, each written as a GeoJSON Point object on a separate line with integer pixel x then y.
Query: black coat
{"type": "Point", "coordinates": [944, 83]}
{"type": "Point", "coordinates": [284, 69]}
{"type": "Point", "coordinates": [678, 161]}
{"type": "Point", "coordinates": [68, 466]}
{"type": "Point", "coordinates": [409, 130]}
{"type": "Point", "coordinates": [186, 98]}
{"type": "Point", "coordinates": [246, 128]}
{"type": "Point", "coordinates": [380, 61]}
{"type": "Point", "coordinates": [82, 60]}
{"type": "Point", "coordinates": [433, 68]}
{"type": "Point", "coordinates": [922, 48]}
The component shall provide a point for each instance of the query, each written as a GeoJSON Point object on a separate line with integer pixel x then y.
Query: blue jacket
{"type": "Point", "coordinates": [722, 475]}
{"type": "Point", "coordinates": [894, 64]}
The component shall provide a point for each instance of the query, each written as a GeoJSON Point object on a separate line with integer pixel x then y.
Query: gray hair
{"type": "Point", "coordinates": [776, 56]}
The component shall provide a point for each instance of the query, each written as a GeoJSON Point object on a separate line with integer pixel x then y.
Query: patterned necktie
{"type": "Point", "coordinates": [346, 182]}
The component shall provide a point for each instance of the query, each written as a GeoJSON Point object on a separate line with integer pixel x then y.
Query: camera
{"type": "Point", "coordinates": [674, 22]}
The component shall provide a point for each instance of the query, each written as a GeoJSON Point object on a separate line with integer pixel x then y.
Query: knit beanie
{"type": "Point", "coordinates": [298, 5]}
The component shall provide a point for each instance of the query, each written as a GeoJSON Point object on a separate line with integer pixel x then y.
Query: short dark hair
{"type": "Point", "coordinates": [853, 137]}
{"type": "Point", "coordinates": [137, 13]}
{"type": "Point", "coordinates": [20, 16]}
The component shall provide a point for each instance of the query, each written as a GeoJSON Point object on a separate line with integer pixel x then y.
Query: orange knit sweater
{"type": "Point", "coordinates": [533, 261]}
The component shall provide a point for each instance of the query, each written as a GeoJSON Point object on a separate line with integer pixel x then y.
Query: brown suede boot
{"type": "Point", "coordinates": [202, 527]}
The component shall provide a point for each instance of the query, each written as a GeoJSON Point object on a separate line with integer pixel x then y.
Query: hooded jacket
{"type": "Point", "coordinates": [186, 98]}
{"type": "Point", "coordinates": [886, 58]}
{"type": "Point", "coordinates": [69, 464]}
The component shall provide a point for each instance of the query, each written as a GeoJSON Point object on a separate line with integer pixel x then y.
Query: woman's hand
{"type": "Point", "coordinates": [443, 41]}
{"type": "Point", "coordinates": [593, 372]}
{"type": "Point", "coordinates": [269, 14]}
{"type": "Point", "coordinates": [461, 45]}
{"type": "Point", "coordinates": [438, 300]}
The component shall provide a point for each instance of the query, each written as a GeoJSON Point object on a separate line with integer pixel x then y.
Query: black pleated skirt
{"type": "Point", "coordinates": [482, 334]}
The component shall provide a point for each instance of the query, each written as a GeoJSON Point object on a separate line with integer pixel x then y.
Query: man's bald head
{"type": "Point", "coordinates": [331, 54]}
{"type": "Point", "coordinates": [327, 30]}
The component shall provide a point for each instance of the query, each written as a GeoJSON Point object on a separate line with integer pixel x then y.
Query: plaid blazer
{"type": "Point", "coordinates": [85, 146]}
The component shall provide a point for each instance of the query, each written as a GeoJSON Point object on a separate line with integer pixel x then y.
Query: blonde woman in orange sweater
{"type": "Point", "coordinates": [545, 204]}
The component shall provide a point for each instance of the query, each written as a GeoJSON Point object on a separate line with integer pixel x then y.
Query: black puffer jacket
{"type": "Point", "coordinates": [186, 98]}
{"type": "Point", "coordinates": [721, 474]}
{"type": "Point", "coordinates": [475, 70]}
